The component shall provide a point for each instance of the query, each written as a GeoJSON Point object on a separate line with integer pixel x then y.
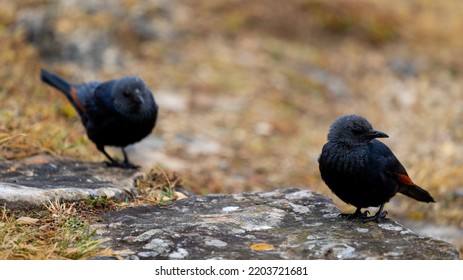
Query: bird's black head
{"type": "Point", "coordinates": [131, 95]}
{"type": "Point", "coordinates": [353, 130]}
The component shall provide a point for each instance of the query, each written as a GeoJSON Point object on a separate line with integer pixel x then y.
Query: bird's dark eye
{"type": "Point", "coordinates": [356, 131]}
{"type": "Point", "coordinates": [126, 93]}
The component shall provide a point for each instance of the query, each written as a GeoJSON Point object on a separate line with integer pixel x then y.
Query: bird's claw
{"type": "Point", "coordinates": [123, 165]}
{"type": "Point", "coordinates": [356, 215]}
{"type": "Point", "coordinates": [363, 216]}
{"type": "Point", "coordinates": [376, 218]}
{"type": "Point", "coordinates": [128, 165]}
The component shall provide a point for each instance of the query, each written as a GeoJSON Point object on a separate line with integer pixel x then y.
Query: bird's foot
{"type": "Point", "coordinates": [376, 218]}
{"type": "Point", "coordinates": [363, 216]}
{"type": "Point", "coordinates": [123, 165]}
{"type": "Point", "coordinates": [356, 215]}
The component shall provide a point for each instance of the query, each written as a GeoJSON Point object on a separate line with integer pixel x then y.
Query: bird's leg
{"type": "Point", "coordinates": [358, 214]}
{"type": "Point", "coordinates": [111, 161]}
{"type": "Point", "coordinates": [377, 217]}
{"type": "Point", "coordinates": [127, 163]}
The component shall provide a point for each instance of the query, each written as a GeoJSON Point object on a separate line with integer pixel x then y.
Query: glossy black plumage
{"type": "Point", "coordinates": [114, 113]}
{"type": "Point", "coordinates": [363, 171]}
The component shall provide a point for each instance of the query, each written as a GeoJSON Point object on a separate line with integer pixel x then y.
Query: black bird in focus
{"type": "Point", "coordinates": [114, 113]}
{"type": "Point", "coordinates": [363, 171]}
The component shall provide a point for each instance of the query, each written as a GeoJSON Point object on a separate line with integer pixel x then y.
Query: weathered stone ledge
{"type": "Point", "coordinates": [282, 224]}
{"type": "Point", "coordinates": [33, 182]}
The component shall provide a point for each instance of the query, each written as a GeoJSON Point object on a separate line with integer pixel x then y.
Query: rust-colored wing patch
{"type": "Point", "coordinates": [404, 179]}
{"type": "Point", "coordinates": [76, 99]}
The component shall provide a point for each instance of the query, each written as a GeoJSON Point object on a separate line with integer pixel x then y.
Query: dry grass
{"type": "Point", "coordinates": [57, 233]}
{"type": "Point", "coordinates": [264, 80]}
{"type": "Point", "coordinates": [158, 188]}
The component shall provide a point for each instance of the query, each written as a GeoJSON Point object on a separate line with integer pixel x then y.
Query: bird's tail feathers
{"type": "Point", "coordinates": [416, 192]}
{"type": "Point", "coordinates": [56, 82]}
{"type": "Point", "coordinates": [63, 86]}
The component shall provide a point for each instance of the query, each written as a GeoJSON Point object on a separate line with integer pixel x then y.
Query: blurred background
{"type": "Point", "coordinates": [247, 89]}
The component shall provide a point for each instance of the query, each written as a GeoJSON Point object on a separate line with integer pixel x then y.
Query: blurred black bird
{"type": "Point", "coordinates": [114, 113]}
{"type": "Point", "coordinates": [363, 171]}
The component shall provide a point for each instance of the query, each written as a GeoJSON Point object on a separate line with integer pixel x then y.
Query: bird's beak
{"type": "Point", "coordinates": [139, 97]}
{"type": "Point", "coordinates": [377, 134]}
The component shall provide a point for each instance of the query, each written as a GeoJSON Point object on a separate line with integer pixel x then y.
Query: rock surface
{"type": "Point", "coordinates": [34, 181]}
{"type": "Point", "coordinates": [283, 224]}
